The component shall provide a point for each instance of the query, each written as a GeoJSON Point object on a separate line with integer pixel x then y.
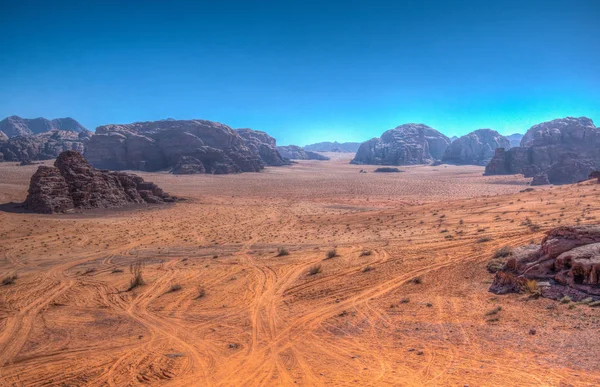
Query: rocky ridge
{"type": "Point", "coordinates": [475, 148]}
{"type": "Point", "coordinates": [14, 126]}
{"type": "Point", "coordinates": [43, 146]}
{"type": "Point", "coordinates": [72, 183]}
{"type": "Point", "coordinates": [294, 152]}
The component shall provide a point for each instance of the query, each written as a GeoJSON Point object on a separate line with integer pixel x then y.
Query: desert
{"type": "Point", "coordinates": [309, 274]}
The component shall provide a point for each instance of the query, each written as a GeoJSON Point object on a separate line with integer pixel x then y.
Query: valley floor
{"type": "Point", "coordinates": [404, 302]}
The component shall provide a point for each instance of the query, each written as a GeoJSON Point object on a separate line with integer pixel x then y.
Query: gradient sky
{"type": "Point", "coordinates": [303, 71]}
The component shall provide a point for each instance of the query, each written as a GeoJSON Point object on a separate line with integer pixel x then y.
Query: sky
{"type": "Point", "coordinates": [303, 71]}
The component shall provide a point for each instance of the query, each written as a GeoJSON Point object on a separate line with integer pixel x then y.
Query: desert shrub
{"type": "Point", "coordinates": [503, 252]}
{"type": "Point", "coordinates": [116, 270]}
{"type": "Point", "coordinates": [531, 286]}
{"type": "Point", "coordinates": [416, 281]}
{"type": "Point", "coordinates": [365, 253]}
{"type": "Point", "coordinates": [388, 169]}
{"type": "Point", "coordinates": [494, 311]}
{"type": "Point", "coordinates": [315, 269]}
{"type": "Point", "coordinates": [331, 254]}
{"type": "Point", "coordinates": [405, 300]}
{"type": "Point", "coordinates": [282, 251]}
{"type": "Point", "coordinates": [137, 270]}
{"type": "Point", "coordinates": [367, 269]}
{"type": "Point", "coordinates": [89, 270]}
{"type": "Point", "coordinates": [495, 265]}
{"type": "Point", "coordinates": [9, 280]}
{"type": "Point", "coordinates": [484, 239]}
{"type": "Point", "coordinates": [175, 288]}
{"type": "Point", "coordinates": [201, 293]}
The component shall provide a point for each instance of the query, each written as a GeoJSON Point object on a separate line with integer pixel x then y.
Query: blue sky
{"type": "Point", "coordinates": [304, 71]}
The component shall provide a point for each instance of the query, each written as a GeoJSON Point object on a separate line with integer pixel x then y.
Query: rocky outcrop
{"type": "Point", "coordinates": [73, 184]}
{"type": "Point", "coordinates": [294, 152]}
{"type": "Point", "coordinates": [514, 139]}
{"type": "Point", "coordinates": [343, 147]}
{"type": "Point", "coordinates": [16, 126]}
{"type": "Point", "coordinates": [567, 261]}
{"type": "Point", "coordinates": [405, 145]}
{"type": "Point", "coordinates": [263, 145]}
{"type": "Point", "coordinates": [43, 146]}
{"type": "Point", "coordinates": [3, 136]}
{"type": "Point", "coordinates": [566, 149]}
{"type": "Point", "coordinates": [540, 179]}
{"type": "Point", "coordinates": [157, 145]}
{"type": "Point", "coordinates": [476, 148]}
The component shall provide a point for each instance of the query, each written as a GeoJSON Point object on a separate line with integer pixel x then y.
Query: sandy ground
{"type": "Point", "coordinates": [404, 303]}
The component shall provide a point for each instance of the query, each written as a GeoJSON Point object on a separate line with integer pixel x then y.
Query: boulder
{"type": "Point", "coordinates": [405, 145]}
{"type": "Point", "coordinates": [569, 257]}
{"type": "Point", "coordinates": [566, 150]}
{"type": "Point", "coordinates": [294, 152]}
{"type": "Point", "coordinates": [74, 184]}
{"type": "Point", "coordinates": [476, 148]}
{"type": "Point", "coordinates": [16, 126]}
{"type": "Point", "coordinates": [158, 145]}
{"type": "Point", "coordinates": [263, 145]}
{"type": "Point", "coordinates": [43, 146]}
{"type": "Point", "coordinates": [540, 179]}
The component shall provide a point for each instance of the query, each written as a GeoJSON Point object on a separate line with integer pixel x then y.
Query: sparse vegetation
{"type": "Point", "coordinates": [201, 293]}
{"type": "Point", "coordinates": [367, 269]}
{"type": "Point", "coordinates": [282, 251]}
{"type": "Point", "coordinates": [175, 288]}
{"type": "Point", "coordinates": [9, 280]}
{"type": "Point", "coordinates": [314, 270]}
{"type": "Point", "coordinates": [137, 270]}
{"type": "Point", "coordinates": [365, 253]}
{"type": "Point", "coordinates": [331, 254]}
{"type": "Point", "coordinates": [416, 281]}
{"type": "Point", "coordinates": [531, 286]}
{"type": "Point", "coordinates": [494, 311]}
{"type": "Point", "coordinates": [484, 239]}
{"type": "Point", "coordinates": [495, 265]}
{"type": "Point", "coordinates": [503, 252]}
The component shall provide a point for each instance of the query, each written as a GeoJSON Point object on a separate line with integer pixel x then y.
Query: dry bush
{"type": "Point", "coordinates": [531, 286]}
{"type": "Point", "coordinates": [494, 311]}
{"type": "Point", "coordinates": [315, 269]}
{"type": "Point", "coordinates": [201, 293]}
{"type": "Point", "coordinates": [367, 269]}
{"type": "Point", "coordinates": [365, 253]}
{"type": "Point", "coordinates": [416, 281]}
{"type": "Point", "coordinates": [282, 251]}
{"type": "Point", "coordinates": [331, 254]}
{"type": "Point", "coordinates": [495, 265]}
{"type": "Point", "coordinates": [137, 270]}
{"type": "Point", "coordinates": [484, 239]}
{"type": "Point", "coordinates": [503, 252]}
{"type": "Point", "coordinates": [175, 288]}
{"type": "Point", "coordinates": [9, 280]}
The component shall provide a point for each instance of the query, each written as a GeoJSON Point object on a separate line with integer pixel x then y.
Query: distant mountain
{"type": "Point", "coordinates": [349, 147]}
{"type": "Point", "coordinates": [453, 138]}
{"type": "Point", "coordinates": [16, 126]}
{"type": "Point", "coordinates": [476, 148]}
{"type": "Point", "coordinates": [294, 152]}
{"type": "Point", "coordinates": [515, 139]}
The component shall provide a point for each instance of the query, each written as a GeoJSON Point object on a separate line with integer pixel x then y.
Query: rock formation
{"type": "Point", "coordinates": [16, 126]}
{"type": "Point", "coordinates": [566, 150]}
{"type": "Point", "coordinates": [514, 139]}
{"type": "Point", "coordinates": [294, 152]}
{"type": "Point", "coordinates": [166, 144]}
{"type": "Point", "coordinates": [263, 145]}
{"type": "Point", "coordinates": [540, 179]}
{"type": "Point", "coordinates": [3, 136]}
{"type": "Point", "coordinates": [43, 146]}
{"type": "Point", "coordinates": [475, 148]}
{"type": "Point", "coordinates": [568, 261]}
{"type": "Point", "coordinates": [405, 145]}
{"type": "Point", "coordinates": [346, 147]}
{"type": "Point", "coordinates": [73, 184]}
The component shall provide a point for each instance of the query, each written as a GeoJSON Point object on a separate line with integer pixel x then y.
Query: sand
{"type": "Point", "coordinates": [404, 302]}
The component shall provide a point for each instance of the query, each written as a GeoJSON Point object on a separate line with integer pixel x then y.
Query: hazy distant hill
{"type": "Point", "coordinates": [16, 126]}
{"type": "Point", "coordinates": [350, 147]}
{"type": "Point", "coordinates": [514, 139]}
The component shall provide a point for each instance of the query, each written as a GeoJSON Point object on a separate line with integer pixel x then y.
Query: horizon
{"type": "Point", "coordinates": [303, 72]}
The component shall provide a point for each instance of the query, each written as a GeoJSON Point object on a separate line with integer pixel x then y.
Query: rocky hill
{"type": "Point", "coordinates": [264, 145]}
{"type": "Point", "coordinates": [561, 151]}
{"type": "Point", "coordinates": [405, 145]}
{"type": "Point", "coordinates": [16, 126]}
{"type": "Point", "coordinates": [184, 146]}
{"type": "Point", "coordinates": [347, 147]}
{"type": "Point", "coordinates": [3, 136]}
{"type": "Point", "coordinates": [43, 146]}
{"type": "Point", "coordinates": [475, 148]}
{"type": "Point", "coordinates": [514, 139]}
{"type": "Point", "coordinates": [294, 152]}
{"type": "Point", "coordinates": [73, 184]}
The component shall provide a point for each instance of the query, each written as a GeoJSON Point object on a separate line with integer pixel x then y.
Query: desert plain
{"type": "Point", "coordinates": [311, 274]}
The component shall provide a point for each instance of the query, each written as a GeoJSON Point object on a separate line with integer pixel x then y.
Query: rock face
{"type": "Point", "coordinates": [345, 147]}
{"type": "Point", "coordinates": [3, 136]}
{"type": "Point", "coordinates": [540, 179]}
{"type": "Point", "coordinates": [405, 145]}
{"type": "Point", "coordinates": [73, 184]}
{"type": "Point", "coordinates": [475, 148]}
{"type": "Point", "coordinates": [16, 126]}
{"type": "Point", "coordinates": [566, 149]}
{"type": "Point", "coordinates": [294, 152]}
{"type": "Point", "coordinates": [263, 145]}
{"type": "Point", "coordinates": [157, 145]}
{"type": "Point", "coordinates": [43, 146]}
{"type": "Point", "coordinates": [514, 139]}
{"type": "Point", "coordinates": [568, 257]}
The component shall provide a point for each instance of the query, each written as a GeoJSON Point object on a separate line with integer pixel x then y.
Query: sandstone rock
{"type": "Point", "coordinates": [540, 179]}
{"type": "Point", "coordinates": [294, 152]}
{"type": "Point", "coordinates": [3, 136]}
{"type": "Point", "coordinates": [188, 165]}
{"type": "Point", "coordinates": [345, 147]}
{"type": "Point", "coordinates": [568, 255]}
{"type": "Point", "coordinates": [475, 148]}
{"type": "Point", "coordinates": [43, 146]}
{"type": "Point", "coordinates": [263, 145]}
{"type": "Point", "coordinates": [157, 145]}
{"type": "Point", "coordinates": [405, 145]}
{"type": "Point", "coordinates": [16, 126]}
{"type": "Point", "coordinates": [514, 139]}
{"type": "Point", "coordinates": [73, 184]}
{"type": "Point", "coordinates": [567, 150]}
